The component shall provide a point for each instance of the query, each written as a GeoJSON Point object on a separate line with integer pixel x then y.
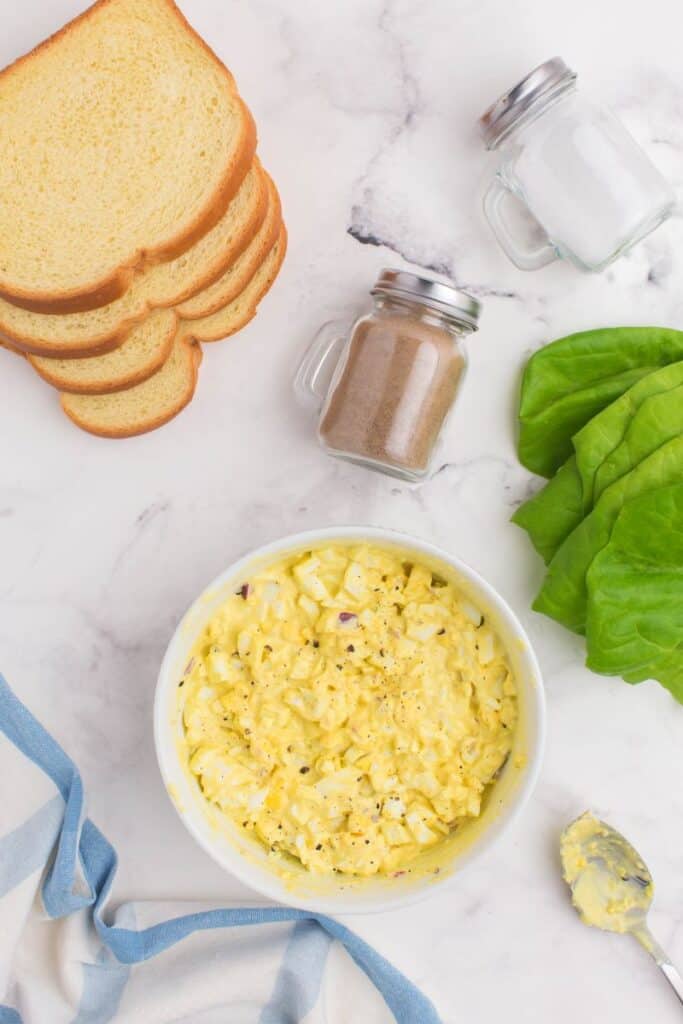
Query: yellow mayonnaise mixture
{"type": "Point", "coordinates": [611, 886]}
{"type": "Point", "coordinates": [348, 708]}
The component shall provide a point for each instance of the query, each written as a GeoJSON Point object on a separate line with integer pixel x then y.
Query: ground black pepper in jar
{"type": "Point", "coordinates": [397, 376]}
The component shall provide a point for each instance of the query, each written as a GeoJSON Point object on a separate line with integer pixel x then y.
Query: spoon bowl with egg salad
{"type": "Point", "coordinates": [345, 718]}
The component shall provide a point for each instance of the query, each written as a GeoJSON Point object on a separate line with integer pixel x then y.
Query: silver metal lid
{"type": "Point", "coordinates": [456, 304]}
{"type": "Point", "coordinates": [545, 82]}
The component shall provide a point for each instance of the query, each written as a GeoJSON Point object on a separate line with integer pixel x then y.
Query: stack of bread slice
{"type": "Point", "coordinates": [136, 221]}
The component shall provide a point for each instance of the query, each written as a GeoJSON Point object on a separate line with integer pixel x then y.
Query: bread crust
{"type": "Point", "coordinates": [107, 289]}
{"type": "Point", "coordinates": [109, 340]}
{"type": "Point", "coordinates": [226, 294]}
{"type": "Point", "coordinates": [199, 331]}
{"type": "Point", "coordinates": [99, 346]}
{"type": "Point", "coordinates": [104, 386]}
{"type": "Point", "coordinates": [193, 354]}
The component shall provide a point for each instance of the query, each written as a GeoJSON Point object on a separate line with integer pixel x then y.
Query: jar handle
{"type": "Point", "coordinates": [522, 256]}
{"type": "Point", "coordinates": [314, 372]}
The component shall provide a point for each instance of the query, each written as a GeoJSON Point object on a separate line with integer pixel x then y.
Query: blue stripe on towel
{"type": "Point", "coordinates": [103, 985]}
{"type": "Point", "coordinates": [300, 976]}
{"type": "Point", "coordinates": [104, 982]}
{"type": "Point", "coordinates": [9, 1016]}
{"type": "Point", "coordinates": [28, 847]}
{"type": "Point", "coordinates": [82, 845]}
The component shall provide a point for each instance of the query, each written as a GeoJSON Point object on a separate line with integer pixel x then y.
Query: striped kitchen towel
{"type": "Point", "coordinates": [66, 959]}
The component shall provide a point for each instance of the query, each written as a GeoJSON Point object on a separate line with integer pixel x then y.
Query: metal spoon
{"type": "Point", "coordinates": [611, 886]}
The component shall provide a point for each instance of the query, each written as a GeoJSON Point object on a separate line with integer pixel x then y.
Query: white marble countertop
{"type": "Point", "coordinates": [366, 111]}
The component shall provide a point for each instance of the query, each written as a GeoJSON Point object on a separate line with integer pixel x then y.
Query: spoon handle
{"type": "Point", "coordinates": [670, 972]}
{"type": "Point", "coordinates": [673, 976]}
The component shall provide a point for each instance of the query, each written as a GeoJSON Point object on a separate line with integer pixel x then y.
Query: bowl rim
{"type": "Point", "coordinates": [259, 879]}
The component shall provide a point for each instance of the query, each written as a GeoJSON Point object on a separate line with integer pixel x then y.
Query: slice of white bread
{"type": "Point", "coordinates": [236, 277]}
{"type": "Point", "coordinates": [145, 406]}
{"type": "Point", "coordinates": [123, 141]}
{"type": "Point", "coordinates": [144, 351]}
{"type": "Point", "coordinates": [240, 311]}
{"type": "Point", "coordinates": [165, 284]}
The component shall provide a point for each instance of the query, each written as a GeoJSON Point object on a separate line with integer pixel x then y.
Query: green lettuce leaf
{"type": "Point", "coordinates": [635, 593]}
{"type": "Point", "coordinates": [658, 419]}
{"type": "Point", "coordinates": [595, 442]}
{"type": "Point", "coordinates": [618, 438]}
{"type": "Point", "coordinates": [569, 381]}
{"type": "Point", "coordinates": [563, 596]}
{"type": "Point", "coordinates": [554, 511]}
{"type": "Point", "coordinates": [545, 439]}
{"type": "Point", "coordinates": [669, 673]}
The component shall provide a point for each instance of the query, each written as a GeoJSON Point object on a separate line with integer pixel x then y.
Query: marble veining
{"type": "Point", "coordinates": [367, 119]}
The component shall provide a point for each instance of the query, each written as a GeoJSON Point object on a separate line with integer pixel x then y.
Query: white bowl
{"type": "Point", "coordinates": [246, 858]}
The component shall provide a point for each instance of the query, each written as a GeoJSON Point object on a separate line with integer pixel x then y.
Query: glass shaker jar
{"type": "Point", "coordinates": [385, 385]}
{"type": "Point", "coordinates": [581, 175]}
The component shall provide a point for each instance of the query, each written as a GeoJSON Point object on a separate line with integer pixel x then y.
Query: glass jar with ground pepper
{"type": "Point", "coordinates": [385, 386]}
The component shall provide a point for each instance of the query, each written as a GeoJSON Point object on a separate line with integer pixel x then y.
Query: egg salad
{"type": "Point", "coordinates": [347, 707]}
